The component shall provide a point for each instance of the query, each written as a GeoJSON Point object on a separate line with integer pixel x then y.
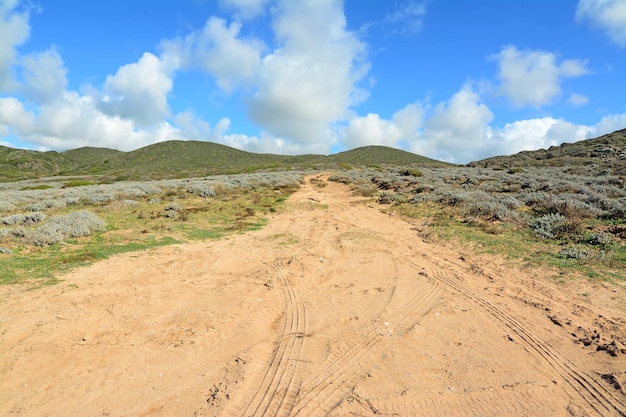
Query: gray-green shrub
{"type": "Point", "coordinates": [58, 228]}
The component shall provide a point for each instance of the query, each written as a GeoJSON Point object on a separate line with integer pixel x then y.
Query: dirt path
{"type": "Point", "coordinates": [334, 308]}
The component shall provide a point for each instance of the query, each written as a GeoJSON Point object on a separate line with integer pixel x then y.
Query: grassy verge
{"type": "Point", "coordinates": [604, 263]}
{"type": "Point", "coordinates": [173, 216]}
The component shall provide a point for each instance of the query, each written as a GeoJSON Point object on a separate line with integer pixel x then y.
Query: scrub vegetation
{"type": "Point", "coordinates": [572, 217]}
{"type": "Point", "coordinates": [51, 229]}
{"type": "Point", "coordinates": [565, 206]}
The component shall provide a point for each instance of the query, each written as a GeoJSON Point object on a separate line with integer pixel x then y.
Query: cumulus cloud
{"type": "Point", "coordinates": [310, 80]}
{"type": "Point", "coordinates": [298, 91]}
{"type": "Point", "coordinates": [57, 118]}
{"type": "Point", "coordinates": [14, 30]}
{"type": "Point", "coordinates": [218, 50]}
{"type": "Point", "coordinates": [74, 121]}
{"type": "Point", "coordinates": [606, 15]}
{"type": "Point", "coordinates": [409, 119]}
{"type": "Point", "coordinates": [45, 76]}
{"type": "Point", "coordinates": [534, 77]}
{"type": "Point", "coordinates": [138, 91]}
{"type": "Point", "coordinates": [457, 129]}
{"type": "Point", "coordinates": [371, 130]}
{"type": "Point", "coordinates": [609, 123]}
{"type": "Point", "coordinates": [246, 9]}
{"type": "Point", "coordinates": [460, 130]}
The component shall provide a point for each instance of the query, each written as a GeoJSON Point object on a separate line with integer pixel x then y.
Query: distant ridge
{"type": "Point", "coordinates": [604, 152]}
{"type": "Point", "coordinates": [178, 159]}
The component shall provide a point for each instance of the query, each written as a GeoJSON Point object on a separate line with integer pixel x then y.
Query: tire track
{"type": "Point", "coordinates": [500, 402]}
{"type": "Point", "coordinates": [588, 388]}
{"type": "Point", "coordinates": [325, 391]}
{"type": "Point", "coordinates": [276, 391]}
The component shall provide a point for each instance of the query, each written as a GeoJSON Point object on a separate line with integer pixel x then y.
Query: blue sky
{"type": "Point", "coordinates": [452, 80]}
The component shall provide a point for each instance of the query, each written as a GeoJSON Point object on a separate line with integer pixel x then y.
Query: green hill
{"type": "Point", "coordinates": [17, 164]}
{"type": "Point", "coordinates": [87, 156]}
{"type": "Point", "coordinates": [381, 155]}
{"type": "Point", "coordinates": [176, 159]}
{"type": "Point", "coordinates": [604, 152]}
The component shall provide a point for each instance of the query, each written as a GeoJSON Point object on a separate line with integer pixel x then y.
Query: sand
{"type": "Point", "coordinates": [335, 308]}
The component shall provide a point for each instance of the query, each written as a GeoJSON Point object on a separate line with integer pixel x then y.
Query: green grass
{"type": "Point", "coordinates": [77, 183]}
{"type": "Point", "coordinates": [284, 239]}
{"type": "Point", "coordinates": [139, 227]}
{"type": "Point", "coordinates": [36, 187]}
{"type": "Point", "coordinates": [518, 244]}
{"type": "Point", "coordinates": [42, 267]}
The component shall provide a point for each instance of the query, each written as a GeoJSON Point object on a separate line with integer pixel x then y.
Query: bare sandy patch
{"type": "Point", "coordinates": [333, 309]}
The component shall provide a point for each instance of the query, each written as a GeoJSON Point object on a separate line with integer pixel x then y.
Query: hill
{"type": "Point", "coordinates": [377, 155]}
{"type": "Point", "coordinates": [604, 152]}
{"type": "Point", "coordinates": [17, 164]}
{"type": "Point", "coordinates": [178, 159]}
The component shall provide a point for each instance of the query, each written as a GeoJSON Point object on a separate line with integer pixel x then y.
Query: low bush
{"type": "Point", "coordinates": [546, 225]}
{"type": "Point", "coordinates": [24, 219]}
{"type": "Point", "coordinates": [365, 190]}
{"type": "Point", "coordinates": [412, 172]}
{"type": "Point", "coordinates": [58, 228]}
{"type": "Point", "coordinates": [6, 206]}
{"type": "Point", "coordinates": [389, 197]}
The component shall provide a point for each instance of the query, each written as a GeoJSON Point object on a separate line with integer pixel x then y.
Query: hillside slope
{"type": "Point", "coordinates": [177, 159]}
{"type": "Point", "coordinates": [604, 152]}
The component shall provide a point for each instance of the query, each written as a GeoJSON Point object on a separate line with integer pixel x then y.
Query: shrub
{"type": "Point", "coordinates": [173, 210]}
{"type": "Point", "coordinates": [575, 252]}
{"type": "Point", "coordinates": [388, 197]}
{"type": "Point", "coordinates": [545, 225]}
{"type": "Point", "coordinates": [598, 239]}
{"type": "Point", "coordinates": [365, 190]}
{"type": "Point", "coordinates": [42, 205]}
{"type": "Point", "coordinates": [6, 206]}
{"type": "Point", "coordinates": [58, 228]}
{"type": "Point", "coordinates": [411, 172]}
{"type": "Point", "coordinates": [97, 197]}
{"type": "Point", "coordinates": [204, 191]}
{"type": "Point", "coordinates": [24, 219]}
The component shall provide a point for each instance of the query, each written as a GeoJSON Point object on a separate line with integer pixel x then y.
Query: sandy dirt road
{"type": "Point", "coordinates": [335, 308]}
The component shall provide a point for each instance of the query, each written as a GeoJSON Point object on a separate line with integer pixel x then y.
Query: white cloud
{"type": "Point", "coordinates": [45, 76]}
{"type": "Point", "coordinates": [534, 77]}
{"type": "Point", "coordinates": [460, 130]}
{"type": "Point", "coordinates": [13, 116]}
{"type": "Point", "coordinates": [408, 18]}
{"type": "Point", "coordinates": [138, 91]}
{"type": "Point", "coordinates": [14, 30]}
{"type": "Point", "coordinates": [609, 123]}
{"type": "Point", "coordinates": [247, 9]}
{"type": "Point", "coordinates": [577, 100]}
{"type": "Point", "coordinates": [218, 50]}
{"type": "Point", "coordinates": [371, 130]}
{"type": "Point", "coordinates": [409, 119]}
{"type": "Point", "coordinates": [457, 130]}
{"type": "Point", "coordinates": [607, 15]}
{"type": "Point", "coordinates": [73, 121]}
{"type": "Point", "coordinates": [268, 143]}
{"type": "Point", "coordinates": [309, 81]}
{"type": "Point", "coordinates": [532, 134]}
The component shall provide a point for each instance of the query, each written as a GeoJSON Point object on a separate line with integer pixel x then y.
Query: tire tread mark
{"type": "Point", "coordinates": [321, 393]}
{"type": "Point", "coordinates": [586, 386]}
{"type": "Point", "coordinates": [276, 387]}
